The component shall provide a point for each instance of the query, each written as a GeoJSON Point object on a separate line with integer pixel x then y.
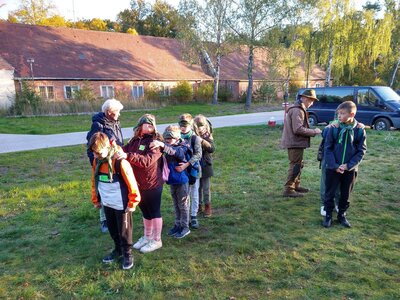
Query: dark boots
{"type": "Point", "coordinates": [292, 193]}
{"type": "Point", "coordinates": [343, 221]}
{"type": "Point", "coordinates": [341, 218]}
{"type": "Point", "coordinates": [128, 259]}
{"type": "Point", "coordinates": [327, 221]}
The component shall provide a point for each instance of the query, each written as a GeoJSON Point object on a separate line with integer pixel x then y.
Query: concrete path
{"type": "Point", "coordinates": [22, 142]}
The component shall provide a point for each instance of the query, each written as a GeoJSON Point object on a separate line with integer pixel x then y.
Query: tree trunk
{"type": "Point", "coordinates": [329, 67]}
{"type": "Point", "coordinates": [250, 77]}
{"type": "Point", "coordinates": [216, 80]}
{"type": "Point", "coordinates": [395, 72]}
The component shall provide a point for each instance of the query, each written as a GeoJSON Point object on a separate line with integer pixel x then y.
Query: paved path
{"type": "Point", "coordinates": [22, 142]}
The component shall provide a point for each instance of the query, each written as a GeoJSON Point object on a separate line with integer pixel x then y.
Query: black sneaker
{"type": "Point", "coordinates": [194, 223]}
{"type": "Point", "coordinates": [128, 262]}
{"type": "Point", "coordinates": [343, 221]}
{"type": "Point", "coordinates": [115, 254]}
{"type": "Point", "coordinates": [174, 230]}
{"type": "Point", "coordinates": [327, 221]}
{"type": "Point", "coordinates": [182, 233]}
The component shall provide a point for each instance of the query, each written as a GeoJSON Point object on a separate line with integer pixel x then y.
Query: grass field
{"type": "Point", "coordinates": [82, 122]}
{"type": "Point", "coordinates": [257, 245]}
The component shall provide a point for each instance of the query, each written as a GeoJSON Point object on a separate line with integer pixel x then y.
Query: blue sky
{"type": "Point", "coordinates": [88, 9]}
{"type": "Point", "coordinates": [84, 9]}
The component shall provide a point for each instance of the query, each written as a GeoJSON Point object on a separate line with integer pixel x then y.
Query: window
{"type": "Point", "coordinates": [137, 91]}
{"type": "Point", "coordinates": [69, 91]}
{"type": "Point", "coordinates": [336, 95]}
{"type": "Point", "coordinates": [46, 92]}
{"type": "Point", "coordinates": [107, 91]}
{"type": "Point", "coordinates": [366, 97]}
{"type": "Point", "coordinates": [317, 84]}
{"type": "Point", "coordinates": [165, 90]}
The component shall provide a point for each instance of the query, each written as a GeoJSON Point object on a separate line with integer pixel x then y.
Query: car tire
{"type": "Point", "coordinates": [382, 124]}
{"type": "Point", "coordinates": [312, 120]}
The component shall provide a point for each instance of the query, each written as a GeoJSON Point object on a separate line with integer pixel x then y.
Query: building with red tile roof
{"type": "Point", "coordinates": [60, 60]}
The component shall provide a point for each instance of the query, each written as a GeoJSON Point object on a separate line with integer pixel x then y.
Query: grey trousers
{"type": "Point", "coordinates": [204, 191]}
{"type": "Point", "coordinates": [180, 198]}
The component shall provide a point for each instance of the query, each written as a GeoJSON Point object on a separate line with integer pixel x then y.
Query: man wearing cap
{"type": "Point", "coordinates": [295, 138]}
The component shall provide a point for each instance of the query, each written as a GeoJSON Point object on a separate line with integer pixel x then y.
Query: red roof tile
{"type": "Point", "coordinates": [64, 53]}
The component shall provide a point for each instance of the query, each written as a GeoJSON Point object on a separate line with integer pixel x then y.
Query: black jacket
{"type": "Point", "coordinates": [100, 123]}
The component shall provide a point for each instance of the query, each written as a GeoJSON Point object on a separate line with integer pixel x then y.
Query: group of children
{"type": "Point", "coordinates": [187, 149]}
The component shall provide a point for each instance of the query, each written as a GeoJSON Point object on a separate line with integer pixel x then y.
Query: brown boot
{"type": "Point", "coordinates": [292, 193]}
{"type": "Point", "coordinates": [301, 189]}
{"type": "Point", "coordinates": [207, 210]}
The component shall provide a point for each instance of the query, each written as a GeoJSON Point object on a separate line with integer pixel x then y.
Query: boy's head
{"type": "Point", "coordinates": [99, 144]}
{"type": "Point", "coordinates": [185, 122]}
{"type": "Point", "coordinates": [172, 134]}
{"type": "Point", "coordinates": [346, 111]}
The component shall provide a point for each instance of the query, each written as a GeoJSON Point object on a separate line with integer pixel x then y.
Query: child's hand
{"type": "Point", "coordinates": [130, 209]}
{"type": "Point", "coordinates": [343, 167]}
{"type": "Point", "coordinates": [120, 154]}
{"type": "Point", "coordinates": [156, 144]}
{"type": "Point", "coordinates": [317, 131]}
{"type": "Point", "coordinates": [97, 205]}
{"type": "Point", "coordinates": [339, 170]}
{"type": "Point", "coordinates": [182, 167]}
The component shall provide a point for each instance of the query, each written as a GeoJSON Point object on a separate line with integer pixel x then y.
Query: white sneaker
{"type": "Point", "coordinates": [323, 212]}
{"type": "Point", "coordinates": [141, 242]}
{"type": "Point", "coordinates": [336, 208]}
{"type": "Point", "coordinates": [151, 246]}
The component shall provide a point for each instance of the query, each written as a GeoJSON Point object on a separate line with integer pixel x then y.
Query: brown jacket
{"type": "Point", "coordinates": [296, 131]}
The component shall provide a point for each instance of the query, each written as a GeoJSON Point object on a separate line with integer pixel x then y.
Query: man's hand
{"type": "Point", "coordinates": [317, 131]}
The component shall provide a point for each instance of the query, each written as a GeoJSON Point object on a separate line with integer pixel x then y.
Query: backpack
{"type": "Point", "coordinates": [193, 170]}
{"type": "Point", "coordinates": [320, 153]}
{"type": "Point", "coordinates": [165, 169]}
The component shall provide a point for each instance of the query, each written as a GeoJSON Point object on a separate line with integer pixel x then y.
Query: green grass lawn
{"type": "Point", "coordinates": [82, 122]}
{"type": "Point", "coordinates": [257, 245]}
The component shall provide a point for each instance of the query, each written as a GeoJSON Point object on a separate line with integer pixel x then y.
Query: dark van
{"type": "Point", "coordinates": [377, 106]}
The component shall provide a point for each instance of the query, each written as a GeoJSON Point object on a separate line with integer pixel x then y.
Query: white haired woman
{"type": "Point", "coordinates": [106, 121]}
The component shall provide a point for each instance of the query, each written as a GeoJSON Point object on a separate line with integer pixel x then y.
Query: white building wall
{"type": "Point", "coordinates": [7, 88]}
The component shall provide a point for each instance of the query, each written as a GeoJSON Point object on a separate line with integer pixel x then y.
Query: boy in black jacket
{"type": "Point", "coordinates": [343, 154]}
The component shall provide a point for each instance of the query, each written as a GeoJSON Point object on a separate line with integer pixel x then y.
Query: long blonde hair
{"type": "Point", "coordinates": [202, 121]}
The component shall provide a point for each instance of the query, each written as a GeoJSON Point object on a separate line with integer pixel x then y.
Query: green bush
{"type": "Point", "coordinates": [266, 92]}
{"type": "Point", "coordinates": [27, 101]}
{"type": "Point", "coordinates": [183, 92]}
{"type": "Point", "coordinates": [205, 91]}
{"type": "Point", "coordinates": [224, 95]}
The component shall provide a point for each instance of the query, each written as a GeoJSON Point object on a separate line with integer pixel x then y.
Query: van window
{"type": "Point", "coordinates": [337, 95]}
{"type": "Point", "coordinates": [367, 98]}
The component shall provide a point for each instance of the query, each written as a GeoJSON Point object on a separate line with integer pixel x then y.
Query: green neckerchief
{"type": "Point", "coordinates": [346, 129]}
{"type": "Point", "coordinates": [187, 135]}
{"type": "Point", "coordinates": [99, 162]}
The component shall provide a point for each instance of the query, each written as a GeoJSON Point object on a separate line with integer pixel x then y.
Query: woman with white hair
{"type": "Point", "coordinates": [106, 121]}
